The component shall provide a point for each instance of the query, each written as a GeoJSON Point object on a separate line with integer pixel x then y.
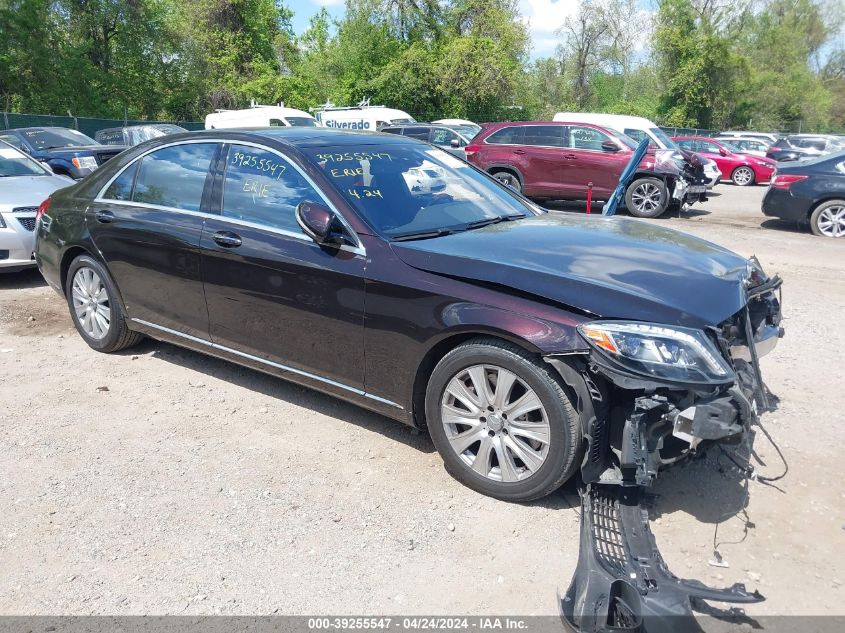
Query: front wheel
{"type": "Point", "coordinates": [828, 219]}
{"type": "Point", "coordinates": [743, 176]}
{"type": "Point", "coordinates": [501, 421]}
{"type": "Point", "coordinates": [647, 198]}
{"type": "Point", "coordinates": [94, 307]}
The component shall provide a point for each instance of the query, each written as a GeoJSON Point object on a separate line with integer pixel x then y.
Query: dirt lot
{"type": "Point", "coordinates": [163, 481]}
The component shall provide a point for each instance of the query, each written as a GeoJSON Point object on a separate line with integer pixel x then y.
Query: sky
{"type": "Point", "coordinates": [544, 18]}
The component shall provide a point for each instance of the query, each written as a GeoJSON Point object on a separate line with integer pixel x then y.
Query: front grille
{"type": "Point", "coordinates": [27, 223]}
{"type": "Point", "coordinates": [102, 157]}
{"type": "Point", "coordinates": [25, 210]}
{"type": "Point", "coordinates": [607, 529]}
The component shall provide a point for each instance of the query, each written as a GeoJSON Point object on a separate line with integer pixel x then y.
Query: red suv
{"type": "Point", "coordinates": [558, 160]}
{"type": "Point", "coordinates": [742, 169]}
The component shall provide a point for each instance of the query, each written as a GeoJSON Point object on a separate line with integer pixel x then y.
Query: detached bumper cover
{"type": "Point", "coordinates": [622, 582]}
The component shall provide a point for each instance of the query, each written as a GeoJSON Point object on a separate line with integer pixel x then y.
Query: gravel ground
{"type": "Point", "coordinates": [161, 481]}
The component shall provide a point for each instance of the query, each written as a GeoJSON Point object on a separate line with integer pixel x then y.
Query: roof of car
{"type": "Point", "coordinates": [305, 136]}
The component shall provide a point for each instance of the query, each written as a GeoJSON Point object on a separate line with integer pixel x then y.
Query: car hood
{"type": "Point", "coordinates": [29, 191]}
{"type": "Point", "coordinates": [604, 266]}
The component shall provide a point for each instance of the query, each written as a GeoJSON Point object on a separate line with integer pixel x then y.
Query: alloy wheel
{"type": "Point", "coordinates": [831, 221]}
{"type": "Point", "coordinates": [646, 197]}
{"type": "Point", "coordinates": [507, 179]}
{"type": "Point", "coordinates": [743, 176]}
{"type": "Point", "coordinates": [91, 303]}
{"type": "Point", "coordinates": [495, 423]}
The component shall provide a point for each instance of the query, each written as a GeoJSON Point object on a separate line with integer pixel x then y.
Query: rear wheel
{"type": "Point", "coordinates": [501, 421]}
{"type": "Point", "coordinates": [94, 307]}
{"type": "Point", "coordinates": [828, 219]}
{"type": "Point", "coordinates": [647, 198]}
{"type": "Point", "coordinates": [509, 179]}
{"type": "Point", "coordinates": [743, 176]}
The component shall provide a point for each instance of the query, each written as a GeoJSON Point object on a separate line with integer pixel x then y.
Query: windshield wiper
{"type": "Point", "coordinates": [421, 235]}
{"type": "Point", "coordinates": [488, 221]}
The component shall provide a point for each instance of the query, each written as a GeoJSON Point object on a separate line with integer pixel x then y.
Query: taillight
{"type": "Point", "coordinates": [42, 208]}
{"type": "Point", "coordinates": [471, 149]}
{"type": "Point", "coordinates": [785, 181]}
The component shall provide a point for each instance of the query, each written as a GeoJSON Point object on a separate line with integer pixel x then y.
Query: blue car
{"type": "Point", "coordinates": [67, 152]}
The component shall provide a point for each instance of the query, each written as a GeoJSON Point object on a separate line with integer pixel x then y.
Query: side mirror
{"type": "Point", "coordinates": [609, 146]}
{"type": "Point", "coordinates": [316, 220]}
{"type": "Point", "coordinates": [456, 143]}
{"type": "Point", "coordinates": [722, 151]}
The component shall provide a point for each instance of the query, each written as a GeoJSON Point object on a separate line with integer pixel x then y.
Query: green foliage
{"type": "Point", "coordinates": [701, 63]}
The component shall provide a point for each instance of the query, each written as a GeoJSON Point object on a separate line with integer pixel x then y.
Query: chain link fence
{"type": "Point", "coordinates": [86, 125]}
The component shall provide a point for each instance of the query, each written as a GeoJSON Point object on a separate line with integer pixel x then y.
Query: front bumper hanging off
{"type": "Point", "coordinates": [621, 582]}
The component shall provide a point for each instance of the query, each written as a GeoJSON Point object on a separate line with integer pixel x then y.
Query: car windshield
{"type": "Point", "coordinates": [467, 131]}
{"type": "Point", "coordinates": [631, 140]}
{"type": "Point", "coordinates": [48, 138]}
{"type": "Point", "coordinates": [141, 133]}
{"type": "Point", "coordinates": [660, 135]}
{"type": "Point", "coordinates": [416, 191]}
{"type": "Point", "coordinates": [15, 163]}
{"type": "Point", "coordinates": [301, 121]}
{"type": "Point", "coordinates": [402, 121]}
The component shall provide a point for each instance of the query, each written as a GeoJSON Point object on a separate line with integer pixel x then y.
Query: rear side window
{"type": "Point", "coordinates": [442, 136]}
{"type": "Point", "coordinates": [545, 135]}
{"type": "Point", "coordinates": [12, 140]}
{"type": "Point", "coordinates": [685, 144]}
{"type": "Point", "coordinates": [121, 187]}
{"type": "Point", "coordinates": [507, 136]}
{"type": "Point", "coordinates": [262, 187]}
{"type": "Point", "coordinates": [174, 176]}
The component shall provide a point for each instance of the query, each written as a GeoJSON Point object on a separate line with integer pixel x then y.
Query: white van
{"type": "Point", "coordinates": [361, 117]}
{"type": "Point", "coordinates": [259, 116]}
{"type": "Point", "coordinates": [638, 128]}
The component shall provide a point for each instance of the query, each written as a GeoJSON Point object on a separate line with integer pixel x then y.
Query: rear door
{"type": "Point", "coordinates": [548, 163]}
{"type": "Point", "coordinates": [273, 294]}
{"type": "Point", "coordinates": [147, 224]}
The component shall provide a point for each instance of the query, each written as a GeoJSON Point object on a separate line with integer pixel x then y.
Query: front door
{"type": "Point", "coordinates": [591, 164]}
{"type": "Point", "coordinates": [147, 226]}
{"type": "Point", "coordinates": [271, 291]}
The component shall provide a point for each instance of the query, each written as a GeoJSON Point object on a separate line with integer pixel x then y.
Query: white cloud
{"type": "Point", "coordinates": [325, 3]}
{"type": "Point", "coordinates": [544, 17]}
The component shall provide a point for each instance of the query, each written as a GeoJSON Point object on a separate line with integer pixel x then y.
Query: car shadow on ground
{"type": "Point", "coordinates": [788, 226]}
{"type": "Point", "coordinates": [280, 389]}
{"type": "Point", "coordinates": [22, 280]}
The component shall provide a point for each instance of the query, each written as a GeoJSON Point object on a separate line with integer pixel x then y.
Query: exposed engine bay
{"type": "Point", "coordinates": [636, 426]}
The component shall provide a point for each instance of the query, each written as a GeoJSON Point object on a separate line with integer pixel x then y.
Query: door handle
{"type": "Point", "coordinates": [227, 239]}
{"type": "Point", "coordinates": [104, 216]}
{"type": "Point", "coordinates": [519, 151]}
{"type": "Point", "coordinates": [570, 157]}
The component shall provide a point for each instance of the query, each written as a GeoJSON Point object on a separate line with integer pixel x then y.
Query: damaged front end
{"type": "Point", "coordinates": [651, 395]}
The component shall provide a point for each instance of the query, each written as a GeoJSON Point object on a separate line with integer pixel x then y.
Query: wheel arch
{"type": "Point", "coordinates": [67, 259]}
{"type": "Point", "coordinates": [443, 346]}
{"type": "Point", "coordinates": [820, 201]}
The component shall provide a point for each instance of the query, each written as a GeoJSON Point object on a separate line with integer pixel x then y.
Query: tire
{"type": "Point", "coordinates": [508, 178]}
{"type": "Point", "coordinates": [828, 219]}
{"type": "Point", "coordinates": [647, 198]}
{"type": "Point", "coordinates": [95, 308]}
{"type": "Point", "coordinates": [553, 427]}
{"type": "Point", "coordinates": [743, 176]}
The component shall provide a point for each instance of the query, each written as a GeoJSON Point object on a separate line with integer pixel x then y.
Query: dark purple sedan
{"type": "Point", "coordinates": [387, 272]}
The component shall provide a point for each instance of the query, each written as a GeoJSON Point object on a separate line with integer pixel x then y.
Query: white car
{"type": "Point", "coordinates": [24, 185]}
{"type": "Point", "coordinates": [361, 117]}
{"type": "Point", "coordinates": [259, 116]}
{"type": "Point", "coordinates": [464, 126]}
{"type": "Point", "coordinates": [752, 146]}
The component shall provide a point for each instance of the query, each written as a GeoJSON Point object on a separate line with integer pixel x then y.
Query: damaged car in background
{"type": "Point", "coordinates": [532, 346]}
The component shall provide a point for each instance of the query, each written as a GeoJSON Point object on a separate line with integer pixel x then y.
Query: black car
{"type": "Point", "coordinates": [783, 150]}
{"type": "Point", "coordinates": [530, 345]}
{"type": "Point", "coordinates": [452, 138]}
{"type": "Point", "coordinates": [812, 192]}
{"type": "Point", "coordinates": [67, 152]}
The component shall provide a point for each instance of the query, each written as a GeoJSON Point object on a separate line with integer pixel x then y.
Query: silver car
{"type": "Point", "coordinates": [24, 184]}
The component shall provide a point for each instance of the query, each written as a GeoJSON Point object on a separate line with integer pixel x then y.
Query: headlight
{"type": "Point", "coordinates": [668, 353]}
{"type": "Point", "coordinates": [84, 162]}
